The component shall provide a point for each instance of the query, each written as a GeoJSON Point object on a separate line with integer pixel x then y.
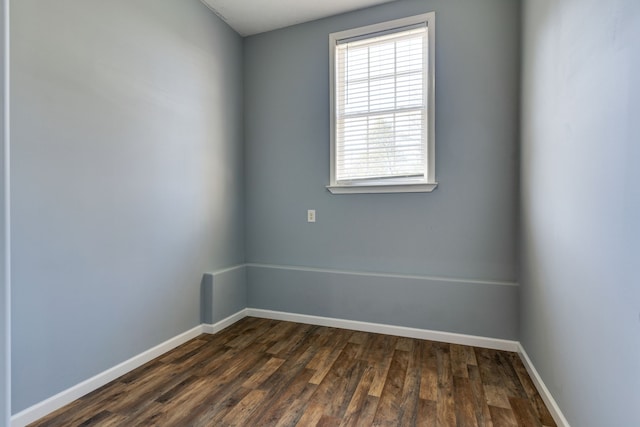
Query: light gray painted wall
{"type": "Point", "coordinates": [466, 228]}
{"type": "Point", "coordinates": [5, 332]}
{"type": "Point", "coordinates": [224, 293]}
{"type": "Point", "coordinates": [415, 302]}
{"type": "Point", "coordinates": [127, 180]}
{"type": "Point", "coordinates": [581, 205]}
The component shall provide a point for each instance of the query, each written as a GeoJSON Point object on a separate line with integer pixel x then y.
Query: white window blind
{"type": "Point", "coordinates": [381, 105]}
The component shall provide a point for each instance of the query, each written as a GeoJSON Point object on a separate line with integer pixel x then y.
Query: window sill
{"type": "Point", "coordinates": [383, 188]}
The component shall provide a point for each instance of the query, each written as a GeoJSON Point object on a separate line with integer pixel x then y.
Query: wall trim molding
{"type": "Point", "coordinates": [226, 269]}
{"type": "Point", "coordinates": [214, 328]}
{"type": "Point", "coordinates": [548, 399]}
{"type": "Point", "coordinates": [381, 274]}
{"type": "Point", "coordinates": [402, 331]}
{"type": "Point", "coordinates": [67, 396]}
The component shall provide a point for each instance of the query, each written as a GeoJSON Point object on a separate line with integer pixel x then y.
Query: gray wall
{"type": "Point", "coordinates": [224, 293]}
{"type": "Point", "coordinates": [465, 229]}
{"type": "Point", "coordinates": [127, 180]}
{"type": "Point", "coordinates": [581, 205]}
{"type": "Point", "coordinates": [411, 301]}
{"type": "Point", "coordinates": [5, 333]}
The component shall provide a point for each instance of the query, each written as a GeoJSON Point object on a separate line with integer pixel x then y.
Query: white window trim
{"type": "Point", "coordinates": [397, 185]}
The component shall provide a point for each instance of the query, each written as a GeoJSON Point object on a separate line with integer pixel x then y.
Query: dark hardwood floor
{"type": "Point", "coordinates": [262, 372]}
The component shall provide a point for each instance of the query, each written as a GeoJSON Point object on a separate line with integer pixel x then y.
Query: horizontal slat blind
{"type": "Point", "coordinates": [381, 106]}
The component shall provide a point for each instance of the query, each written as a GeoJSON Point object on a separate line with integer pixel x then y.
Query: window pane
{"type": "Point", "coordinates": [409, 55]}
{"type": "Point", "coordinates": [382, 94]}
{"type": "Point", "coordinates": [382, 59]}
{"type": "Point", "coordinates": [384, 145]}
{"type": "Point", "coordinates": [356, 98]}
{"type": "Point", "coordinates": [409, 90]}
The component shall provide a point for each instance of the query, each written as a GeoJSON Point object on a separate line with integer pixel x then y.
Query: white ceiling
{"type": "Point", "coordinates": [250, 17]}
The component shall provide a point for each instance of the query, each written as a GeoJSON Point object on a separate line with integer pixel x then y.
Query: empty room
{"type": "Point", "coordinates": [320, 213]}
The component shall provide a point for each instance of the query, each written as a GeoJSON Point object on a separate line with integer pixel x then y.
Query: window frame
{"type": "Point", "coordinates": [387, 185]}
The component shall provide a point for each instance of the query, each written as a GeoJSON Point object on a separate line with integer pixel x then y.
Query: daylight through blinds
{"type": "Point", "coordinates": [381, 106]}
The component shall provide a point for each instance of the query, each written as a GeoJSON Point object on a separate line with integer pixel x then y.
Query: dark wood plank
{"type": "Point", "coordinates": [464, 402]}
{"type": "Point", "coordinates": [523, 412]}
{"type": "Point", "coordinates": [240, 412]}
{"type": "Point", "coordinates": [358, 398]}
{"type": "Point", "coordinates": [340, 382]}
{"type": "Point", "coordinates": [445, 405]}
{"type": "Point", "coordinates": [281, 406]}
{"type": "Point", "coordinates": [311, 416]}
{"type": "Point", "coordinates": [328, 421]}
{"type": "Point", "coordinates": [535, 400]}
{"type": "Point", "coordinates": [426, 413]}
{"type": "Point", "coordinates": [458, 361]}
{"type": "Point", "coordinates": [502, 417]}
{"type": "Point", "coordinates": [290, 343]}
{"type": "Point", "coordinates": [390, 398]}
{"type": "Point", "coordinates": [268, 369]}
{"type": "Point", "coordinates": [411, 389]}
{"type": "Point", "coordinates": [297, 409]}
{"type": "Point", "coordinates": [428, 372]}
{"type": "Point", "coordinates": [284, 383]}
{"type": "Point", "coordinates": [381, 354]}
{"type": "Point", "coordinates": [483, 415]}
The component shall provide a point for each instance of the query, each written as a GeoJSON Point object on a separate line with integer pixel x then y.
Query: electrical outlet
{"type": "Point", "coordinates": [311, 215]}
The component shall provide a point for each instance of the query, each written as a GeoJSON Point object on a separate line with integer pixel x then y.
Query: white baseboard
{"type": "Point", "coordinates": [208, 328]}
{"type": "Point", "coordinates": [67, 396]}
{"type": "Point", "coordinates": [548, 399]}
{"type": "Point", "coordinates": [402, 331]}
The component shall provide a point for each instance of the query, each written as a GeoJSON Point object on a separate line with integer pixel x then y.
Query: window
{"type": "Point", "coordinates": [382, 107]}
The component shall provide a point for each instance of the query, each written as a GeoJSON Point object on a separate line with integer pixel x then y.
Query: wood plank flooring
{"type": "Point", "coordinates": [261, 372]}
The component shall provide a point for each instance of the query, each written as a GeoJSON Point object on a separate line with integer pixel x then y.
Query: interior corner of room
{"type": "Point", "coordinates": [159, 168]}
